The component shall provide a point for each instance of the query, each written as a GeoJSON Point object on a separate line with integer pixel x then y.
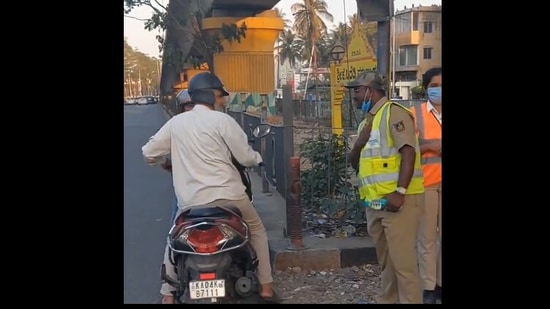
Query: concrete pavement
{"type": "Point", "coordinates": [318, 254]}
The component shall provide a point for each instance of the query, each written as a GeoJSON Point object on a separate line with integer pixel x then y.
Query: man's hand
{"type": "Point", "coordinates": [395, 200]}
{"type": "Point", "coordinates": [364, 136]}
{"type": "Point", "coordinates": [166, 165]}
{"type": "Point", "coordinates": [435, 147]}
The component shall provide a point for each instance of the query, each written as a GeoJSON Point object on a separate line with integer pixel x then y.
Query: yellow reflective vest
{"type": "Point", "coordinates": [380, 160]}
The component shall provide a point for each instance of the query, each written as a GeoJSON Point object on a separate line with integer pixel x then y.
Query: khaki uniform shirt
{"type": "Point", "coordinates": [402, 124]}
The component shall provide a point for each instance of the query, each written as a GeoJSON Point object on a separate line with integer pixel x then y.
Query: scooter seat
{"type": "Point", "coordinates": [211, 212]}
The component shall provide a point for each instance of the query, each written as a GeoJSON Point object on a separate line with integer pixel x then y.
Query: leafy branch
{"type": "Point", "coordinates": [203, 44]}
{"type": "Point", "coordinates": [133, 17]}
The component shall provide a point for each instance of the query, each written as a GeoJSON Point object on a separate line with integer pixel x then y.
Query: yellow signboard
{"type": "Point", "coordinates": [358, 47]}
{"type": "Point", "coordinates": [360, 57]}
{"type": "Point", "coordinates": [345, 72]}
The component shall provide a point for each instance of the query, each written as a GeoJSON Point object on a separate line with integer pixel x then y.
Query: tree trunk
{"type": "Point", "coordinates": [183, 36]}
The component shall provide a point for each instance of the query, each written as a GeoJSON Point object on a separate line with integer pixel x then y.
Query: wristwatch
{"type": "Point", "coordinates": [401, 190]}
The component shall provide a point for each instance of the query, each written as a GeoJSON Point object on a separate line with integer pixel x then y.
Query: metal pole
{"type": "Point", "coordinates": [288, 130]}
{"type": "Point", "coordinates": [243, 109]}
{"type": "Point", "coordinates": [350, 97]}
{"type": "Point", "coordinates": [393, 79]}
{"type": "Point", "coordinates": [292, 181]}
{"type": "Point", "coordinates": [309, 71]}
{"type": "Point", "coordinates": [294, 206]}
{"type": "Point", "coordinates": [263, 143]}
{"type": "Point", "coordinates": [278, 66]}
{"type": "Point", "coordinates": [383, 39]}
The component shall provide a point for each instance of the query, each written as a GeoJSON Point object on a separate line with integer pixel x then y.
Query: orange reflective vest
{"type": "Point", "coordinates": [429, 130]}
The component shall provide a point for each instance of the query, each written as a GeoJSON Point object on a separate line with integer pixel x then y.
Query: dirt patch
{"type": "Point", "coordinates": [353, 285]}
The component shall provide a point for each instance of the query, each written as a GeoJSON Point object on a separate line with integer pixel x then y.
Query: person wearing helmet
{"type": "Point", "coordinates": [183, 101]}
{"type": "Point", "coordinates": [203, 143]}
{"type": "Point", "coordinates": [206, 87]}
{"type": "Point", "coordinates": [183, 104]}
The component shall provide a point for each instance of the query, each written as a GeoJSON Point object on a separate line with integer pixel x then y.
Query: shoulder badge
{"type": "Point", "coordinates": [399, 126]}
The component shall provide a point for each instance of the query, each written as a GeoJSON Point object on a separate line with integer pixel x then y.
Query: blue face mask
{"type": "Point", "coordinates": [365, 107]}
{"type": "Point", "coordinates": [434, 95]}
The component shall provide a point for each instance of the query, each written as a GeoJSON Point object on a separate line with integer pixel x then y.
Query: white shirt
{"type": "Point", "coordinates": [431, 109]}
{"type": "Point", "coordinates": [201, 142]}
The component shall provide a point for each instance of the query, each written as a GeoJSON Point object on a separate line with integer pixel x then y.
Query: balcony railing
{"type": "Point", "coordinates": [408, 38]}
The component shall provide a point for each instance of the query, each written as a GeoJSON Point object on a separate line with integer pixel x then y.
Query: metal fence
{"type": "Point", "coordinates": [329, 186]}
{"type": "Point", "coordinates": [320, 112]}
{"type": "Point", "coordinates": [274, 158]}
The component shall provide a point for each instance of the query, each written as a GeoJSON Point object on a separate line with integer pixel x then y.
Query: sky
{"type": "Point", "coordinates": [145, 41]}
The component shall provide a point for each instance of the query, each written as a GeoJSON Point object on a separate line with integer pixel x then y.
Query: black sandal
{"type": "Point", "coordinates": [274, 299]}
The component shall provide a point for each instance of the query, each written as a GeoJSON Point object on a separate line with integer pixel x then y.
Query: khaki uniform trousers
{"type": "Point", "coordinates": [394, 235]}
{"type": "Point", "coordinates": [258, 241]}
{"type": "Point", "coordinates": [429, 239]}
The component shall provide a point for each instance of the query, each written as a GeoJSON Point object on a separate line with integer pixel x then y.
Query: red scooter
{"type": "Point", "coordinates": [211, 252]}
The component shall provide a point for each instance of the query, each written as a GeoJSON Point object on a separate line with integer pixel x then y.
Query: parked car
{"type": "Point", "coordinates": [151, 100]}
{"type": "Point", "coordinates": [142, 101]}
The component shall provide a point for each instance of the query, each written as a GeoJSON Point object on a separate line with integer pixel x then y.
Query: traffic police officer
{"type": "Point", "coordinates": [387, 157]}
{"type": "Point", "coordinates": [428, 122]}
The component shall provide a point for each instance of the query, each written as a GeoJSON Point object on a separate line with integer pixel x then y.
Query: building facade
{"type": "Point", "coordinates": [416, 42]}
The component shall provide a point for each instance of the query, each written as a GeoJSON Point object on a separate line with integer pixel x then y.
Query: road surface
{"type": "Point", "coordinates": [148, 200]}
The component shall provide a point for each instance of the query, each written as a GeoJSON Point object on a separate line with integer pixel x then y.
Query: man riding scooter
{"type": "Point", "coordinates": [184, 104]}
{"type": "Point", "coordinates": [203, 143]}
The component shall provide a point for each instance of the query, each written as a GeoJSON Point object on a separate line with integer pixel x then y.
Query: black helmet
{"type": "Point", "coordinates": [201, 87]}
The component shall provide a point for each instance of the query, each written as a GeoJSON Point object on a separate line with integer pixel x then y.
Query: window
{"type": "Point", "coordinates": [428, 27]}
{"type": "Point", "coordinates": [403, 23]}
{"type": "Point", "coordinates": [415, 21]}
{"type": "Point", "coordinates": [427, 53]}
{"type": "Point", "coordinates": [406, 76]}
{"type": "Point", "coordinates": [408, 55]}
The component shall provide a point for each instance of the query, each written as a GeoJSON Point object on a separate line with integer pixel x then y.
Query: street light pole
{"type": "Point", "coordinates": [393, 25]}
{"type": "Point", "coordinates": [278, 65]}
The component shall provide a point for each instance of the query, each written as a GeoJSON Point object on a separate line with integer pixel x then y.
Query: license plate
{"type": "Point", "coordinates": [207, 289]}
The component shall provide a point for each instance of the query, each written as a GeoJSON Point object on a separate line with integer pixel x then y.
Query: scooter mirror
{"type": "Point", "coordinates": [261, 130]}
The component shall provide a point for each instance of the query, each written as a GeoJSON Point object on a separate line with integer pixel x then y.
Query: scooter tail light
{"type": "Point", "coordinates": [208, 240]}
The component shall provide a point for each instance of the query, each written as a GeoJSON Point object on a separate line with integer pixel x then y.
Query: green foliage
{"type": "Point", "coordinates": [418, 93]}
{"type": "Point", "coordinates": [204, 45]}
{"type": "Point", "coordinates": [325, 185]}
{"type": "Point", "coordinates": [172, 54]}
{"type": "Point", "coordinates": [139, 66]}
{"type": "Point", "coordinates": [211, 43]}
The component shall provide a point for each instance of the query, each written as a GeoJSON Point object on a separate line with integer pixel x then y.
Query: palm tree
{"type": "Point", "coordinates": [340, 34]}
{"type": "Point", "coordinates": [282, 15]}
{"type": "Point", "coordinates": [309, 23]}
{"type": "Point", "coordinates": [324, 46]}
{"type": "Point", "coordinates": [289, 47]}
